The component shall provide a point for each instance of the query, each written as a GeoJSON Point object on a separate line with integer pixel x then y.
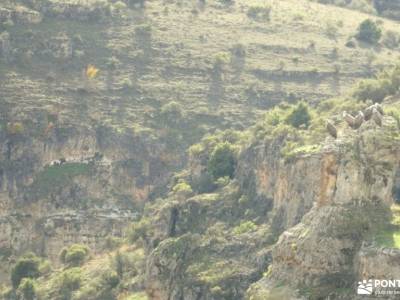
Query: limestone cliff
{"type": "Point", "coordinates": [326, 254]}
{"type": "Point", "coordinates": [328, 207]}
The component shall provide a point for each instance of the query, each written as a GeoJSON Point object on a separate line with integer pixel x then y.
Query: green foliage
{"type": "Point", "coordinates": [182, 188]}
{"type": "Point", "coordinates": [74, 255]}
{"type": "Point", "coordinates": [387, 83]}
{"type": "Point", "coordinates": [389, 238]}
{"type": "Point", "coordinates": [27, 288]}
{"type": "Point", "coordinates": [244, 227]}
{"type": "Point", "coordinates": [69, 281]}
{"type": "Point", "coordinates": [299, 116]}
{"type": "Point", "coordinates": [138, 296]}
{"type": "Point", "coordinates": [221, 59]}
{"type": "Point", "coordinates": [369, 31]}
{"type": "Point", "coordinates": [222, 161]}
{"type": "Point", "coordinates": [112, 242]}
{"type": "Point", "coordinates": [372, 89]}
{"type": "Point", "coordinates": [119, 264]}
{"type": "Point", "coordinates": [119, 5]}
{"type": "Point", "coordinates": [45, 267]}
{"type": "Point", "coordinates": [26, 267]}
{"type": "Point", "coordinates": [292, 149]}
{"type": "Point", "coordinates": [171, 113]}
{"type": "Point", "coordinates": [222, 181]}
{"type": "Point", "coordinates": [204, 183]}
{"type": "Point", "coordinates": [111, 279]}
{"type": "Point", "coordinates": [138, 230]}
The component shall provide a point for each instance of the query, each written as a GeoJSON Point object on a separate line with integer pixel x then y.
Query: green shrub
{"type": "Point", "coordinates": [119, 264]}
{"type": "Point", "coordinates": [171, 113]}
{"type": "Point", "coordinates": [221, 59]}
{"type": "Point", "coordinates": [119, 5]}
{"type": "Point", "coordinates": [222, 161]}
{"type": "Point", "coordinates": [222, 181]}
{"type": "Point", "coordinates": [75, 255]}
{"type": "Point", "coordinates": [299, 116]}
{"type": "Point", "coordinates": [27, 288]}
{"type": "Point", "coordinates": [112, 242]}
{"type": "Point", "coordinates": [138, 230]}
{"type": "Point", "coordinates": [369, 32]}
{"type": "Point", "coordinates": [387, 83]}
{"type": "Point", "coordinates": [138, 296]}
{"type": "Point", "coordinates": [182, 188]}
{"type": "Point", "coordinates": [69, 281]}
{"type": "Point", "coordinates": [26, 267]}
{"type": "Point", "coordinates": [111, 279]}
{"type": "Point", "coordinates": [244, 227]}
{"type": "Point", "coordinates": [204, 183]}
{"type": "Point", "coordinates": [371, 89]}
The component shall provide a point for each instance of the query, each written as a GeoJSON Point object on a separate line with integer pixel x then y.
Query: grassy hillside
{"type": "Point", "coordinates": [229, 61]}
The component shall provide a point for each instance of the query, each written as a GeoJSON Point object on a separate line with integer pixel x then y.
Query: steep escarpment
{"type": "Point", "coordinates": [325, 254]}
{"type": "Point", "coordinates": [321, 205]}
{"type": "Point", "coordinates": [73, 186]}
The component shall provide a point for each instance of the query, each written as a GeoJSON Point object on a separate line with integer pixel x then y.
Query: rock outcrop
{"type": "Point", "coordinates": [73, 186]}
{"type": "Point", "coordinates": [323, 254]}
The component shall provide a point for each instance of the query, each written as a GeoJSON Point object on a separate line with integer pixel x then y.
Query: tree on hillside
{"type": "Point", "coordinates": [222, 161]}
{"type": "Point", "coordinates": [26, 267]}
{"type": "Point", "coordinates": [369, 32]}
{"type": "Point", "coordinates": [299, 116]}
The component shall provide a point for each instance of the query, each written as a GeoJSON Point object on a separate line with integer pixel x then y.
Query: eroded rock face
{"type": "Point", "coordinates": [353, 200]}
{"type": "Point", "coordinates": [287, 186]}
{"type": "Point", "coordinates": [194, 252]}
{"type": "Point", "coordinates": [328, 201]}
{"type": "Point", "coordinates": [74, 186]}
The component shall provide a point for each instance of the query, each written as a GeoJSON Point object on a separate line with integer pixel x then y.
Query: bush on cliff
{"type": "Point", "coordinates": [75, 255]}
{"type": "Point", "coordinates": [27, 289]}
{"type": "Point", "coordinates": [385, 84]}
{"type": "Point", "coordinates": [171, 114]}
{"type": "Point", "coordinates": [222, 161]}
{"type": "Point", "coordinates": [69, 281]}
{"type": "Point", "coordinates": [26, 267]}
{"type": "Point", "coordinates": [299, 116]}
